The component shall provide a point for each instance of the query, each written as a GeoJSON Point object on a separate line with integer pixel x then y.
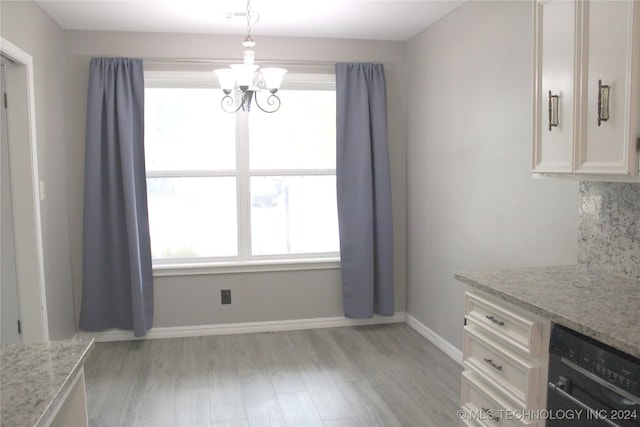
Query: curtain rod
{"type": "Point", "coordinates": [234, 61]}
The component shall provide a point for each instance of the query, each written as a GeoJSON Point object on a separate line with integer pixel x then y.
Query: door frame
{"type": "Point", "coordinates": [23, 159]}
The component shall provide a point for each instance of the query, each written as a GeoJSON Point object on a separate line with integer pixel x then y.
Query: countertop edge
{"type": "Point", "coordinates": [55, 403]}
{"type": "Point", "coordinates": [580, 327]}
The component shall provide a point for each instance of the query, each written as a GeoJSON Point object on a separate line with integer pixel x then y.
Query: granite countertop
{"type": "Point", "coordinates": [598, 304]}
{"type": "Point", "coordinates": [36, 376]}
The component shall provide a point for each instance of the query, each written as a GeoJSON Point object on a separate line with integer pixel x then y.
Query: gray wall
{"type": "Point", "coordinates": [472, 203]}
{"type": "Point", "coordinates": [27, 26]}
{"type": "Point", "coordinates": [195, 300]}
{"type": "Point", "coordinates": [609, 227]}
{"type": "Point", "coordinates": [463, 194]}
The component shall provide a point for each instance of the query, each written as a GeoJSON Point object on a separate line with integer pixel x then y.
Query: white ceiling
{"type": "Point", "coordinates": [359, 19]}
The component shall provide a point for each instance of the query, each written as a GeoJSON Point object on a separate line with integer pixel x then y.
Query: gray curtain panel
{"type": "Point", "coordinates": [364, 191]}
{"type": "Point", "coordinates": [117, 288]}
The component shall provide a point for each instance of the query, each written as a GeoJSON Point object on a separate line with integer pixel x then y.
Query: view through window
{"type": "Point", "coordinates": [243, 186]}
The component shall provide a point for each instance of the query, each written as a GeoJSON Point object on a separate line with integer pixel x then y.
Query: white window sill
{"type": "Point", "coordinates": [190, 269]}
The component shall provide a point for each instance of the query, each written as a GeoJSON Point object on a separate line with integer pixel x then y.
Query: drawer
{"type": "Point", "coordinates": [486, 406]}
{"type": "Point", "coordinates": [499, 320]}
{"type": "Point", "coordinates": [500, 367]}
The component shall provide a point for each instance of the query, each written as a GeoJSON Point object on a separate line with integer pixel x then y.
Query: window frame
{"type": "Point", "coordinates": [243, 262]}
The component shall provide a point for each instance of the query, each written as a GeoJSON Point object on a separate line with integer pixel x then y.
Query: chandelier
{"type": "Point", "coordinates": [246, 80]}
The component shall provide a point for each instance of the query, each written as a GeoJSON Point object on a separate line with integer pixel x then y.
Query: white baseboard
{"type": "Point", "coordinates": [241, 328]}
{"type": "Point", "coordinates": [434, 338]}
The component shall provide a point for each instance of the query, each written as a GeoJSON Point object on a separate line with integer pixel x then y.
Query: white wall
{"type": "Point", "coordinates": [27, 26]}
{"type": "Point", "coordinates": [472, 203]}
{"type": "Point", "coordinates": [195, 300]}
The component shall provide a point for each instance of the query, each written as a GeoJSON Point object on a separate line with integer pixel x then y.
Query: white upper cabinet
{"type": "Point", "coordinates": [556, 86]}
{"type": "Point", "coordinates": [609, 59]}
{"type": "Point", "coordinates": [586, 76]}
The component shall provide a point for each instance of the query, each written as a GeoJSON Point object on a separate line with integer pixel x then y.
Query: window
{"type": "Point", "coordinates": [240, 188]}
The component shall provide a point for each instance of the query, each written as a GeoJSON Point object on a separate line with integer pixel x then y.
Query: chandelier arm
{"type": "Point", "coordinates": [227, 104]}
{"type": "Point", "coordinates": [272, 100]}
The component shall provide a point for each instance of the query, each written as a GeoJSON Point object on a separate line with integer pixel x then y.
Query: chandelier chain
{"type": "Point", "coordinates": [249, 18]}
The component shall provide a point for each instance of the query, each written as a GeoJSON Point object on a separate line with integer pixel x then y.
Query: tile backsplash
{"type": "Point", "coordinates": [609, 227]}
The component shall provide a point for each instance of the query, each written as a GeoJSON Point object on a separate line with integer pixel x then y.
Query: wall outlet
{"type": "Point", "coordinates": [225, 296]}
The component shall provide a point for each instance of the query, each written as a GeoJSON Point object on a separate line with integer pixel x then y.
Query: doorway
{"type": "Point", "coordinates": [10, 321]}
{"type": "Point", "coordinates": [23, 235]}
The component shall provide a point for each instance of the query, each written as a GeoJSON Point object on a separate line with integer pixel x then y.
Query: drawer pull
{"type": "Point", "coordinates": [493, 364]}
{"type": "Point", "coordinates": [490, 415]}
{"type": "Point", "coordinates": [494, 320]}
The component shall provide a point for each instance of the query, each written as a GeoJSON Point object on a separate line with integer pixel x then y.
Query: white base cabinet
{"type": "Point", "coordinates": [72, 411]}
{"type": "Point", "coordinates": [586, 88]}
{"type": "Point", "coordinates": [505, 357]}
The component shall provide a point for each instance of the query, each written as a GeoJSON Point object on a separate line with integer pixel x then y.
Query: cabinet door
{"type": "Point", "coordinates": [555, 49]}
{"type": "Point", "coordinates": [610, 54]}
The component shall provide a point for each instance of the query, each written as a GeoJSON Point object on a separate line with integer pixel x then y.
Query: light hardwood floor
{"type": "Point", "coordinates": [385, 375]}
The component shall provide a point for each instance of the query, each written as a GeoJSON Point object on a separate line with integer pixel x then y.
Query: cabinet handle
{"type": "Point", "coordinates": [603, 102]}
{"type": "Point", "coordinates": [493, 364]}
{"type": "Point", "coordinates": [553, 110]}
{"type": "Point", "coordinates": [489, 413]}
{"type": "Point", "coordinates": [559, 388]}
{"type": "Point", "coordinates": [494, 320]}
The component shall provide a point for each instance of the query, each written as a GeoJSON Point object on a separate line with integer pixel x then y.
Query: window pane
{"type": "Point", "coordinates": [192, 217]}
{"type": "Point", "coordinates": [185, 128]}
{"type": "Point", "coordinates": [293, 215]}
{"type": "Point", "coordinates": [301, 135]}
